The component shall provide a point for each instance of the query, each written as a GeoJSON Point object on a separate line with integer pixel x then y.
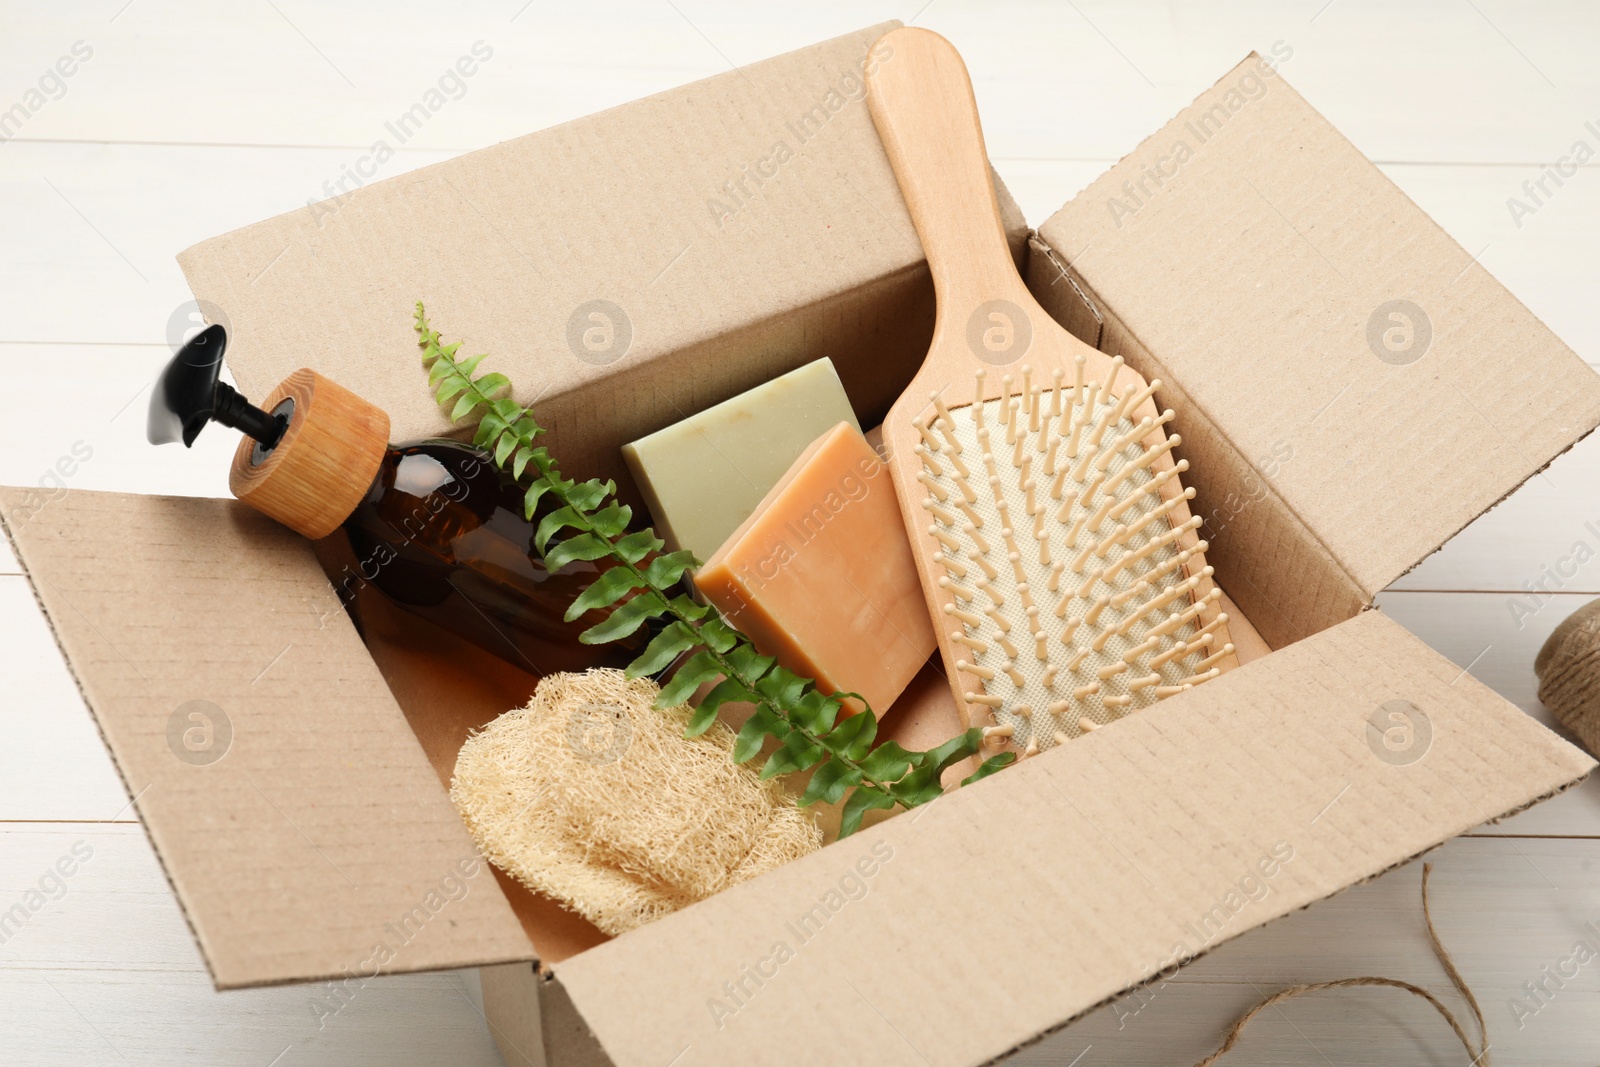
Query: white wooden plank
{"type": "Point", "coordinates": [53, 764]}
{"type": "Point", "coordinates": [111, 218]}
{"type": "Point", "coordinates": [1541, 540]}
{"type": "Point", "coordinates": [1432, 81]}
{"type": "Point", "coordinates": [104, 970]}
{"type": "Point", "coordinates": [149, 998]}
{"type": "Point", "coordinates": [92, 230]}
{"type": "Point", "coordinates": [94, 437]}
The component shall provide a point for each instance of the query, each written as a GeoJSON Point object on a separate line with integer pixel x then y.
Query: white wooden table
{"type": "Point", "coordinates": [187, 119]}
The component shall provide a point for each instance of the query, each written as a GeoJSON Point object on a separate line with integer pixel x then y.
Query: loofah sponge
{"type": "Point", "coordinates": [593, 797]}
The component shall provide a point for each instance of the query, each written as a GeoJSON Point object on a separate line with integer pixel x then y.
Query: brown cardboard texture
{"type": "Point", "coordinates": [1081, 872]}
{"type": "Point", "coordinates": [293, 809]}
{"type": "Point", "coordinates": [626, 269]}
{"type": "Point", "coordinates": [1353, 387]}
{"type": "Point", "coordinates": [1246, 282]}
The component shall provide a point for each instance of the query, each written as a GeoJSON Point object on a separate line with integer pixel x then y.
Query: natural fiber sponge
{"type": "Point", "coordinates": [1568, 668]}
{"type": "Point", "coordinates": [593, 797]}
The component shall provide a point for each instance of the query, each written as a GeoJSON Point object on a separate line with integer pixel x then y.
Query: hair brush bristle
{"type": "Point", "coordinates": [1066, 583]}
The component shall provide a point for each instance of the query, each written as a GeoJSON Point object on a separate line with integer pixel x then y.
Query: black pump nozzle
{"type": "Point", "coordinates": [190, 393]}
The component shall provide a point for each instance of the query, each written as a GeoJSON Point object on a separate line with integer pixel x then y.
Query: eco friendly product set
{"type": "Point", "coordinates": [363, 747]}
{"type": "Point", "coordinates": [1042, 542]}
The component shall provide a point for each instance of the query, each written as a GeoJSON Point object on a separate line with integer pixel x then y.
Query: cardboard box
{"type": "Point", "coordinates": [1333, 447]}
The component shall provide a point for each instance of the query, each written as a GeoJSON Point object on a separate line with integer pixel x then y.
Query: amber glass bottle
{"type": "Point", "coordinates": [440, 532]}
{"type": "Point", "coordinates": [435, 526]}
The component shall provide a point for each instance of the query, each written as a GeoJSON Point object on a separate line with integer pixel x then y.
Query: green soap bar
{"type": "Point", "coordinates": [704, 476]}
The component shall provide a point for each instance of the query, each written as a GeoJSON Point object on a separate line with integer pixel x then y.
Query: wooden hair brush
{"type": "Point", "coordinates": [1067, 582]}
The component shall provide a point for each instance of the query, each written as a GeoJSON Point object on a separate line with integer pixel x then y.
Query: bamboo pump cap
{"type": "Point", "coordinates": [322, 466]}
{"type": "Point", "coordinates": [310, 452]}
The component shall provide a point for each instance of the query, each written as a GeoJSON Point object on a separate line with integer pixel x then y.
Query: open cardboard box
{"type": "Point", "coordinates": [1246, 254]}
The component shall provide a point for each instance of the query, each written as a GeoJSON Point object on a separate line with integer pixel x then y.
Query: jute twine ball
{"type": "Point", "coordinates": [1568, 668]}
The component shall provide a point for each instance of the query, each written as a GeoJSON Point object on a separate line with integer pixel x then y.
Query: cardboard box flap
{"type": "Point", "coordinates": [625, 269]}
{"type": "Point", "coordinates": [301, 825]}
{"type": "Point", "coordinates": [918, 941]}
{"type": "Point", "coordinates": [1386, 388]}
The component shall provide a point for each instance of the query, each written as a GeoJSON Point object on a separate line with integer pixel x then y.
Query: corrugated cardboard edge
{"type": "Point", "coordinates": [796, 277]}
{"type": "Point", "coordinates": [1209, 949]}
{"type": "Point", "coordinates": [520, 992]}
{"type": "Point", "coordinates": [1218, 472]}
{"type": "Point", "coordinates": [1150, 826]}
{"type": "Point", "coordinates": [533, 1021]}
{"type": "Point", "coordinates": [1346, 587]}
{"type": "Point", "coordinates": [7, 496]}
{"type": "Point", "coordinates": [180, 809]}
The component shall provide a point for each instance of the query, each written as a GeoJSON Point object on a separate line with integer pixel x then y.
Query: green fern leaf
{"type": "Point", "coordinates": [797, 753]}
{"type": "Point", "coordinates": [586, 496]}
{"type": "Point", "coordinates": [611, 520]}
{"type": "Point", "coordinates": [866, 798]}
{"type": "Point", "coordinates": [718, 634]}
{"type": "Point", "coordinates": [624, 619]}
{"type": "Point", "coordinates": [888, 762]}
{"type": "Point", "coordinates": [555, 522]}
{"type": "Point", "coordinates": [727, 691]}
{"type": "Point", "coordinates": [750, 664]}
{"type": "Point", "coordinates": [780, 685]}
{"type": "Point", "coordinates": [922, 784]}
{"type": "Point", "coordinates": [814, 712]}
{"type": "Point", "coordinates": [612, 585]}
{"type": "Point", "coordinates": [696, 670]}
{"type": "Point", "coordinates": [763, 723]}
{"type": "Point", "coordinates": [530, 500]}
{"type": "Point", "coordinates": [636, 546]}
{"type": "Point", "coordinates": [829, 783]}
{"type": "Point", "coordinates": [853, 737]}
{"type": "Point", "coordinates": [579, 546]}
{"type": "Point", "coordinates": [490, 427]}
{"type": "Point", "coordinates": [664, 571]}
{"type": "Point", "coordinates": [673, 641]}
{"type": "Point", "coordinates": [490, 384]}
{"type": "Point", "coordinates": [993, 763]}
{"type": "Point", "coordinates": [684, 607]}
{"type": "Point", "coordinates": [449, 389]}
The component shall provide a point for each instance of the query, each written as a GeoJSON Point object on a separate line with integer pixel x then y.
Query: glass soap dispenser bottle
{"type": "Point", "coordinates": [434, 525]}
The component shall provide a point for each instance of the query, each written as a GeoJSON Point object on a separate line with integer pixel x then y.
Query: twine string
{"type": "Point", "coordinates": [1478, 1056]}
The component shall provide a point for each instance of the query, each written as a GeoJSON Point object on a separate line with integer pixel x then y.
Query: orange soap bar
{"type": "Point", "coordinates": [821, 575]}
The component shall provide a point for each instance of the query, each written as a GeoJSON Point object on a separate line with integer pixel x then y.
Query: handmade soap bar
{"type": "Point", "coordinates": [703, 476]}
{"type": "Point", "coordinates": [821, 575]}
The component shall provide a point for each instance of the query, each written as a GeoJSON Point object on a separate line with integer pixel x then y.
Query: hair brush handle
{"type": "Point", "coordinates": [921, 100]}
{"type": "Point", "coordinates": [1058, 558]}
